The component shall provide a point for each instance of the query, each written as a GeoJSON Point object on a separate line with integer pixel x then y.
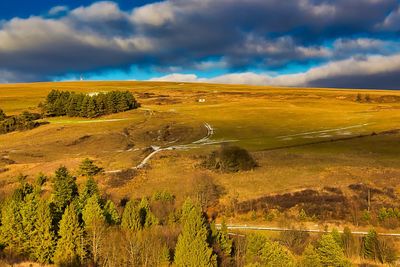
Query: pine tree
{"type": "Point", "coordinates": [28, 211]}
{"type": "Point", "coordinates": [88, 168]}
{"type": "Point", "coordinates": [92, 110]}
{"type": "Point", "coordinates": [65, 191]}
{"type": "Point", "coordinates": [370, 245]}
{"type": "Point", "coordinates": [348, 242]}
{"type": "Point", "coordinates": [223, 239]}
{"type": "Point", "coordinates": [70, 246]}
{"type": "Point", "coordinates": [192, 248]}
{"type": "Point", "coordinates": [187, 208]}
{"type": "Point", "coordinates": [330, 253]}
{"type": "Point", "coordinates": [165, 258]}
{"type": "Point", "coordinates": [2, 115]}
{"type": "Point", "coordinates": [147, 218]}
{"type": "Point", "coordinates": [84, 106]}
{"type": "Point", "coordinates": [111, 214]}
{"type": "Point", "coordinates": [255, 244]}
{"type": "Point", "coordinates": [358, 97]}
{"type": "Point", "coordinates": [101, 103]}
{"type": "Point", "coordinates": [43, 239]}
{"type": "Point", "coordinates": [12, 234]}
{"type": "Point", "coordinates": [274, 254]}
{"type": "Point", "coordinates": [337, 237]}
{"type": "Point", "coordinates": [131, 219]}
{"type": "Point", "coordinates": [71, 106]}
{"type": "Point", "coordinates": [94, 220]}
{"type": "Point", "coordinates": [310, 257]}
{"type": "Point", "coordinates": [122, 104]}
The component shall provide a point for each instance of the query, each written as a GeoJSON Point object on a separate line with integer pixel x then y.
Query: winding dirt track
{"type": "Point", "coordinates": [203, 141]}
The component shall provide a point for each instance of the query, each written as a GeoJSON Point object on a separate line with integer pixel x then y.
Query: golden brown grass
{"type": "Point", "coordinates": [258, 118]}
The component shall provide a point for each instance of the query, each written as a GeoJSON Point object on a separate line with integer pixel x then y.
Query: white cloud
{"type": "Point", "coordinates": [178, 77]}
{"type": "Point", "coordinates": [57, 10]}
{"type": "Point", "coordinates": [392, 21]}
{"type": "Point", "coordinates": [155, 14]}
{"type": "Point", "coordinates": [372, 65]}
{"type": "Point", "coordinates": [104, 10]}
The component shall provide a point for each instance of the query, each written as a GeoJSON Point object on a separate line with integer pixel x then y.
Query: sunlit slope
{"type": "Point", "coordinates": [255, 117]}
{"type": "Point", "coordinates": [300, 137]}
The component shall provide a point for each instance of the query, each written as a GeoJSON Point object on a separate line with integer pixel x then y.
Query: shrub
{"type": "Point", "coordinates": [230, 159]}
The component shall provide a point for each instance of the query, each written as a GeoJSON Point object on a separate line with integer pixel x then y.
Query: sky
{"type": "Point", "coordinates": [312, 43]}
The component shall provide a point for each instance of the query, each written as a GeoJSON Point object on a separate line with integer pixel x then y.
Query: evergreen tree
{"type": "Point", "coordinates": [70, 246]}
{"type": "Point", "coordinates": [92, 212]}
{"type": "Point", "coordinates": [358, 97]}
{"type": "Point", "coordinates": [111, 104]}
{"type": "Point", "coordinates": [274, 254]}
{"type": "Point", "coordinates": [64, 191]}
{"type": "Point", "coordinates": [92, 110]}
{"type": "Point", "coordinates": [94, 220]}
{"type": "Point", "coordinates": [2, 115]}
{"type": "Point", "coordinates": [337, 237]}
{"type": "Point", "coordinates": [192, 248]}
{"type": "Point", "coordinates": [122, 104]}
{"type": "Point", "coordinates": [101, 104]}
{"type": "Point", "coordinates": [310, 257]}
{"type": "Point", "coordinates": [88, 168]}
{"type": "Point", "coordinates": [43, 239]}
{"type": "Point", "coordinates": [370, 245]}
{"type": "Point", "coordinates": [255, 244]}
{"type": "Point", "coordinates": [111, 214]}
{"type": "Point", "coordinates": [330, 253]}
{"type": "Point", "coordinates": [72, 107]}
{"type": "Point", "coordinates": [225, 243]}
{"type": "Point", "coordinates": [187, 208]}
{"type": "Point", "coordinates": [84, 106]}
{"type": "Point", "coordinates": [28, 211]}
{"type": "Point", "coordinates": [348, 242]}
{"type": "Point", "coordinates": [12, 234]}
{"type": "Point", "coordinates": [131, 217]}
{"type": "Point", "coordinates": [147, 218]}
{"type": "Point", "coordinates": [165, 258]}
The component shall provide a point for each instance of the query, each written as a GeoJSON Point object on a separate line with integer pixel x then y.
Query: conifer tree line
{"type": "Point", "coordinates": [24, 121]}
{"type": "Point", "coordinates": [78, 226]}
{"type": "Point", "coordinates": [61, 103]}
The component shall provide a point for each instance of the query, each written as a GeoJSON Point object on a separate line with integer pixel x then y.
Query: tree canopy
{"type": "Point", "coordinates": [61, 103]}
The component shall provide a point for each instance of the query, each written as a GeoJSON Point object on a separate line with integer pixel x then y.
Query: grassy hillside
{"type": "Point", "coordinates": [301, 138]}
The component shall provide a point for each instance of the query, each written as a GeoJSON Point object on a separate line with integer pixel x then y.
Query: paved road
{"type": "Point", "coordinates": [282, 229]}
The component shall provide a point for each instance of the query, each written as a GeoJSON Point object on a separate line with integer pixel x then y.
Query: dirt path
{"type": "Point", "coordinates": [156, 149]}
{"type": "Point", "coordinates": [87, 121]}
{"type": "Point", "coordinates": [388, 132]}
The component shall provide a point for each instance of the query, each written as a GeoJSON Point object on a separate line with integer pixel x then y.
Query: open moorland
{"type": "Point", "coordinates": [337, 143]}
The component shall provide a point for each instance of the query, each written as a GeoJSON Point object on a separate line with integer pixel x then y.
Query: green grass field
{"type": "Point", "coordinates": [302, 138]}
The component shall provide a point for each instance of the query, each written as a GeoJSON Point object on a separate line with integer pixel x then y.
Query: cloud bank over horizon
{"type": "Point", "coordinates": [313, 43]}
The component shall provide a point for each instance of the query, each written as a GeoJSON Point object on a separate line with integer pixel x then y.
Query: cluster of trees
{"type": "Point", "coordinates": [24, 121]}
{"type": "Point", "coordinates": [384, 217]}
{"type": "Point", "coordinates": [77, 227]}
{"type": "Point", "coordinates": [80, 227]}
{"type": "Point", "coordinates": [61, 103]}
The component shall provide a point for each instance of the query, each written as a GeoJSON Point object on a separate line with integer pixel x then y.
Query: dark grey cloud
{"type": "Point", "coordinates": [238, 35]}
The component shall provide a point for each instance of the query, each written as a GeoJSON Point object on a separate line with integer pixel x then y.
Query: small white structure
{"type": "Point", "coordinates": [201, 100]}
